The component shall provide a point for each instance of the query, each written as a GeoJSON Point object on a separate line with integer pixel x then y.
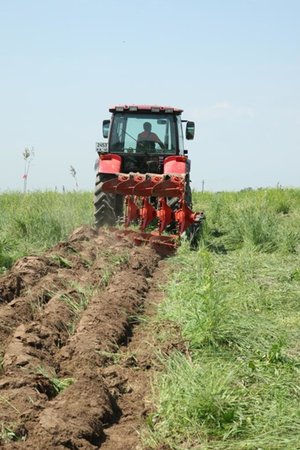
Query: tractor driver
{"type": "Point", "coordinates": [148, 138]}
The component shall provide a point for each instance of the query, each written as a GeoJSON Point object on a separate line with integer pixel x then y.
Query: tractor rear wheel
{"type": "Point", "coordinates": [193, 232]}
{"type": "Point", "coordinates": [108, 207]}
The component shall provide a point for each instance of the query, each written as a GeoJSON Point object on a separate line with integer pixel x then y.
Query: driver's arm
{"type": "Point", "coordinates": [159, 142]}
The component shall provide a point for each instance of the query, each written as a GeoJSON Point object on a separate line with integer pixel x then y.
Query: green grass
{"type": "Point", "coordinates": [34, 222]}
{"type": "Point", "coordinates": [10, 433]}
{"type": "Point", "coordinates": [58, 384]}
{"type": "Point", "coordinates": [236, 305]}
{"type": "Point", "coordinates": [264, 220]}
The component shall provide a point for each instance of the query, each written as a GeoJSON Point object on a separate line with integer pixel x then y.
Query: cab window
{"type": "Point", "coordinates": [127, 127]}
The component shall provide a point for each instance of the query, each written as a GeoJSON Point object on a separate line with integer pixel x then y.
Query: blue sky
{"type": "Point", "coordinates": [232, 65]}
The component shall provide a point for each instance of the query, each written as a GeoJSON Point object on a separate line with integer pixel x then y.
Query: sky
{"type": "Point", "coordinates": [233, 66]}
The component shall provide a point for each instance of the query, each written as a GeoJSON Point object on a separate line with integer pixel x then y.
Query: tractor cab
{"type": "Point", "coordinates": [144, 135]}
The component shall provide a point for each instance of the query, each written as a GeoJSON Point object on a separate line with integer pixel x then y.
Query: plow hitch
{"type": "Point", "coordinates": [155, 200]}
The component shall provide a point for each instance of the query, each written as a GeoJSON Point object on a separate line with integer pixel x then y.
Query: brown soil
{"type": "Point", "coordinates": [75, 362]}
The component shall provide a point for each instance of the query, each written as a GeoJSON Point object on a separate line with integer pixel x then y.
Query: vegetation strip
{"type": "Point", "coordinates": [34, 222]}
{"type": "Point", "coordinates": [233, 309]}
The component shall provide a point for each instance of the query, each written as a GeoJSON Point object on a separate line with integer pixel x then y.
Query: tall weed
{"type": "Point", "coordinates": [264, 220]}
{"type": "Point", "coordinates": [35, 221]}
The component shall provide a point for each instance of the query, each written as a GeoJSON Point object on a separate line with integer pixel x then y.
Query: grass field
{"type": "Point", "coordinates": [33, 222]}
{"type": "Point", "coordinates": [231, 312]}
{"type": "Point", "coordinates": [233, 307]}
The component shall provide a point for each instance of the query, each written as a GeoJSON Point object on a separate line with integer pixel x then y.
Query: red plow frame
{"type": "Point", "coordinates": [138, 190]}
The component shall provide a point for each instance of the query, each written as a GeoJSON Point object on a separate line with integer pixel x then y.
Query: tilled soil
{"type": "Point", "coordinates": [75, 365]}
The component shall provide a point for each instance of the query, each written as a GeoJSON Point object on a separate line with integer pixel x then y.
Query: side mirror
{"type": "Point", "coordinates": [105, 128]}
{"type": "Point", "coordinates": [190, 130]}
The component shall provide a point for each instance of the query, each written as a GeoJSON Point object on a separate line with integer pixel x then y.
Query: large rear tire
{"type": "Point", "coordinates": [108, 207]}
{"type": "Point", "coordinates": [193, 232]}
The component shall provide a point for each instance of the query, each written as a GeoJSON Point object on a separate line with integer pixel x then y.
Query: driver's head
{"type": "Point", "coordinates": [147, 126]}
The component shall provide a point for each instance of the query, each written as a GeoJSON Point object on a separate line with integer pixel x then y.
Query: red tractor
{"type": "Point", "coordinates": [143, 175]}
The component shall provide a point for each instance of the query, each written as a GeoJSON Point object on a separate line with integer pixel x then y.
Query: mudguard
{"type": "Point", "coordinates": [176, 164]}
{"type": "Point", "coordinates": [109, 163]}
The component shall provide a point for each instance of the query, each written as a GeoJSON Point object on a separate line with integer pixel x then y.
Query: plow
{"type": "Point", "coordinates": [143, 178]}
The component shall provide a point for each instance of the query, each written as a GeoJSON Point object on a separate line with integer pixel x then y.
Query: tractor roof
{"type": "Point", "coordinates": [146, 108]}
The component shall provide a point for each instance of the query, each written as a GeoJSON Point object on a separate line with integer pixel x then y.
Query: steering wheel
{"type": "Point", "coordinates": [145, 146]}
